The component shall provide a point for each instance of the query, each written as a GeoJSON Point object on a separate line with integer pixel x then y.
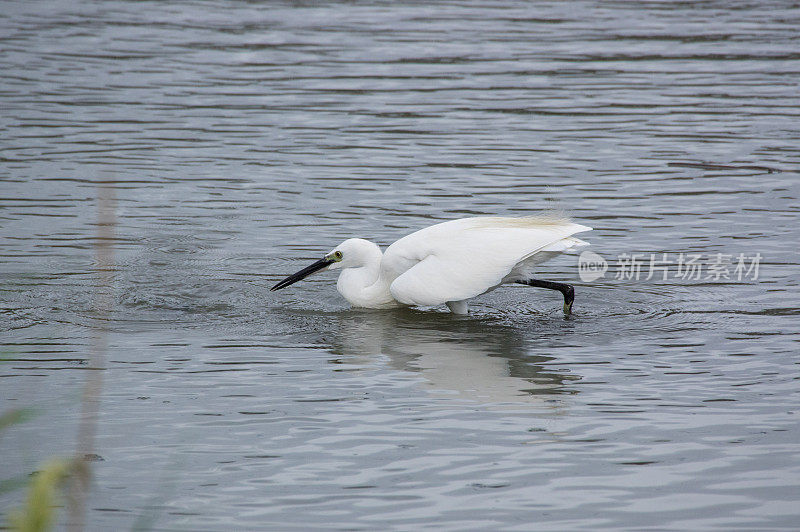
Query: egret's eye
{"type": "Point", "coordinates": [337, 255]}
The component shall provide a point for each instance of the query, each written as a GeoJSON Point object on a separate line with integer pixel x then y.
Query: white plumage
{"type": "Point", "coordinates": [450, 262]}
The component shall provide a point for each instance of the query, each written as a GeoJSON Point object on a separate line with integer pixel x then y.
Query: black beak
{"type": "Point", "coordinates": [302, 274]}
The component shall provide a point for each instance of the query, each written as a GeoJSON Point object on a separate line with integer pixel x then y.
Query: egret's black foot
{"type": "Point", "coordinates": [569, 297]}
{"type": "Point", "coordinates": [566, 289]}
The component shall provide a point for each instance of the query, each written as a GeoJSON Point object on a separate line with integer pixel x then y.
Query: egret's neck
{"type": "Point", "coordinates": [365, 286]}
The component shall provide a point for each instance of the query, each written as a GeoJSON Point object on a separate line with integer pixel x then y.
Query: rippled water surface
{"type": "Point", "coordinates": [165, 163]}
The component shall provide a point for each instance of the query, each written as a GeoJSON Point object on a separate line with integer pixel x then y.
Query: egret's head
{"type": "Point", "coordinates": [351, 253]}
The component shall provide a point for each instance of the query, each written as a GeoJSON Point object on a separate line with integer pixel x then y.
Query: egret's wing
{"type": "Point", "coordinates": [526, 268]}
{"type": "Point", "coordinates": [434, 281]}
{"type": "Point", "coordinates": [453, 262]}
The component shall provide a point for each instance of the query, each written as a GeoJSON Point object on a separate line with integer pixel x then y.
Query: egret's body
{"type": "Point", "coordinates": [450, 262]}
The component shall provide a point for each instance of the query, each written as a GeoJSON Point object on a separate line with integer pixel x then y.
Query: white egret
{"type": "Point", "coordinates": [450, 262]}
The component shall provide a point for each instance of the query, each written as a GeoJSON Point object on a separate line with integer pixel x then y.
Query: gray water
{"type": "Point", "coordinates": [165, 163]}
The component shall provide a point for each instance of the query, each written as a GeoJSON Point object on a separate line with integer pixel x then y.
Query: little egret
{"type": "Point", "coordinates": [450, 262]}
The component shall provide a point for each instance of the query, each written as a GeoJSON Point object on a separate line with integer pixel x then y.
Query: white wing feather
{"type": "Point", "coordinates": [461, 259]}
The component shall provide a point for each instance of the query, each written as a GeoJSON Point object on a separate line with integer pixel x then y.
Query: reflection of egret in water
{"type": "Point", "coordinates": [468, 358]}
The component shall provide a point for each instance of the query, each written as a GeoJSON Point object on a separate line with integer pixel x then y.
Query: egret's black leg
{"type": "Point", "coordinates": [567, 289]}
